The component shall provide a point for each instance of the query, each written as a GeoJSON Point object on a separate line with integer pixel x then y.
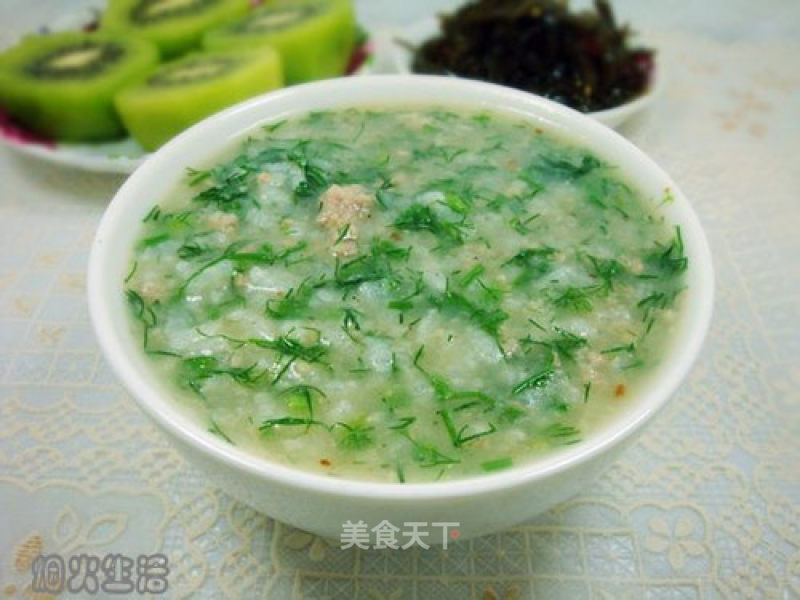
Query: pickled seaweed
{"type": "Point", "coordinates": [583, 60]}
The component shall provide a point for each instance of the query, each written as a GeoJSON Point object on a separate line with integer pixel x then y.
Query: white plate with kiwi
{"type": "Point", "coordinates": [101, 100]}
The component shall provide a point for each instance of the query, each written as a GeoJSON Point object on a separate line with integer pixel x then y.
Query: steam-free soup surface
{"type": "Point", "coordinates": [405, 295]}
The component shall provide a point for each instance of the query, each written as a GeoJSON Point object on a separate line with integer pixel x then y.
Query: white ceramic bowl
{"type": "Point", "coordinates": [322, 504]}
{"type": "Point", "coordinates": [394, 52]}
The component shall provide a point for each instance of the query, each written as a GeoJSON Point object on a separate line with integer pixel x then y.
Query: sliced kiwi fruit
{"type": "Point", "coordinates": [314, 38]}
{"type": "Point", "coordinates": [62, 85]}
{"type": "Point", "coordinates": [184, 91]}
{"type": "Point", "coordinates": [175, 26]}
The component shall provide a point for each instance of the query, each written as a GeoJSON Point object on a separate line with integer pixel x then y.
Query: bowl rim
{"type": "Point", "coordinates": [102, 280]}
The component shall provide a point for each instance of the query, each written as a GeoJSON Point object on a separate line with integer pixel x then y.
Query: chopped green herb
{"type": "Point", "coordinates": [427, 455]}
{"type": "Point", "coordinates": [497, 464]}
{"type": "Point", "coordinates": [294, 304]}
{"type": "Point", "coordinates": [356, 437]}
{"type": "Point", "coordinates": [631, 348]}
{"type": "Point", "coordinates": [537, 380]}
{"type": "Point", "coordinates": [129, 276]}
{"type": "Point", "coordinates": [471, 275]}
{"type": "Point", "coordinates": [153, 214]}
{"type": "Point", "coordinates": [288, 422]}
{"type": "Point", "coordinates": [575, 299]}
{"type": "Point", "coordinates": [607, 270]}
{"type": "Point", "coordinates": [671, 259]}
{"type": "Point", "coordinates": [214, 428]}
{"type": "Point", "coordinates": [533, 264]}
{"type": "Point", "coordinates": [562, 434]}
{"type": "Point", "coordinates": [420, 217]}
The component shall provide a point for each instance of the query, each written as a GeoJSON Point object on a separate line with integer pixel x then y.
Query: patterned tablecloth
{"type": "Point", "coordinates": [706, 505]}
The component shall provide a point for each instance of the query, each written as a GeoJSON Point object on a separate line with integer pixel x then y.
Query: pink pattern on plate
{"type": "Point", "coordinates": [360, 56]}
{"type": "Point", "coordinates": [15, 133]}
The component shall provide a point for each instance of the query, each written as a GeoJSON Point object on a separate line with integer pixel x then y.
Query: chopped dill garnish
{"type": "Point", "coordinates": [196, 370]}
{"type": "Point", "coordinates": [575, 299]}
{"type": "Point", "coordinates": [563, 345]}
{"type": "Point", "coordinates": [670, 260]}
{"type": "Point", "coordinates": [532, 262]}
{"type": "Point", "coordinates": [471, 275]}
{"type": "Point", "coordinates": [214, 428]}
{"type": "Point", "coordinates": [191, 250]}
{"type": "Point", "coordinates": [458, 436]}
{"type": "Point", "coordinates": [143, 313]}
{"type": "Point", "coordinates": [152, 214]}
{"type": "Point", "coordinates": [630, 348]}
{"type": "Point", "coordinates": [129, 276]}
{"type": "Point", "coordinates": [563, 166]}
{"type": "Point", "coordinates": [375, 266]}
{"type": "Point", "coordinates": [487, 317]}
{"type": "Point", "coordinates": [427, 455]}
{"type": "Point", "coordinates": [402, 423]}
{"type": "Point", "coordinates": [445, 392]}
{"type": "Point", "coordinates": [420, 217]}
{"type": "Point", "coordinates": [294, 304]}
{"type": "Point", "coordinates": [497, 464]}
{"type": "Point", "coordinates": [302, 396]}
{"type": "Point", "coordinates": [562, 434]}
{"type": "Point", "coordinates": [383, 195]}
{"type": "Point", "coordinates": [350, 323]}
{"type": "Point", "coordinates": [293, 350]}
{"type": "Point", "coordinates": [521, 225]}
{"type": "Point", "coordinates": [357, 436]}
{"type": "Point", "coordinates": [607, 270]}
{"type": "Point", "coordinates": [288, 422]}
{"type": "Point", "coordinates": [273, 127]}
{"type": "Point", "coordinates": [342, 234]}
{"type": "Point", "coordinates": [315, 178]}
{"type": "Point", "coordinates": [535, 381]}
{"type": "Point", "coordinates": [154, 240]}
{"type": "Point", "coordinates": [263, 255]}
{"type": "Point", "coordinates": [456, 203]}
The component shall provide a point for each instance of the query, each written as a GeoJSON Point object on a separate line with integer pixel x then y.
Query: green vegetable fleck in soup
{"type": "Point", "coordinates": [405, 295]}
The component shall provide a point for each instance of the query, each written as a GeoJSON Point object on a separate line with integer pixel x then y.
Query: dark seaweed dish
{"type": "Point", "coordinates": [583, 60]}
{"type": "Point", "coordinates": [405, 295]}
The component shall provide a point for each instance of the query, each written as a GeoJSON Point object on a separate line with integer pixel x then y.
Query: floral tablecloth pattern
{"type": "Point", "coordinates": [705, 505]}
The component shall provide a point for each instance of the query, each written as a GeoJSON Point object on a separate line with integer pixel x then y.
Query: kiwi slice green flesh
{"type": "Point", "coordinates": [175, 26]}
{"type": "Point", "coordinates": [314, 38]}
{"type": "Point", "coordinates": [62, 85]}
{"type": "Point", "coordinates": [182, 92]}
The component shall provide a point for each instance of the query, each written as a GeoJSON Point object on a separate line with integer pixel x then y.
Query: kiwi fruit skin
{"type": "Point", "coordinates": [175, 26]}
{"type": "Point", "coordinates": [317, 47]}
{"type": "Point", "coordinates": [49, 84]}
{"type": "Point", "coordinates": [185, 91]}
